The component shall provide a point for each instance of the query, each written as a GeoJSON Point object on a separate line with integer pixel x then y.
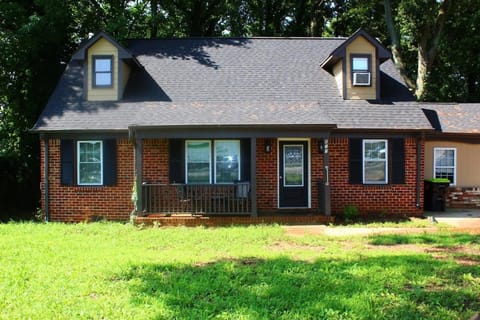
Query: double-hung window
{"type": "Point", "coordinates": [102, 71]}
{"type": "Point", "coordinates": [445, 164]}
{"type": "Point", "coordinates": [90, 162]}
{"type": "Point", "coordinates": [216, 161]}
{"type": "Point", "coordinates": [375, 160]}
{"type": "Point", "coordinates": [361, 70]}
{"type": "Point", "coordinates": [198, 161]}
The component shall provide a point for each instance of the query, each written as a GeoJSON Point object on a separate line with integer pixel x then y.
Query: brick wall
{"type": "Point", "coordinates": [155, 161]}
{"type": "Point", "coordinates": [373, 199]}
{"type": "Point", "coordinates": [317, 173]}
{"type": "Point", "coordinates": [76, 203]}
{"type": "Point", "coordinates": [463, 197]}
{"type": "Point", "coordinates": [267, 174]}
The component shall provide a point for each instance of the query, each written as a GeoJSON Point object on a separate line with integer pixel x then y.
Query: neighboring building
{"type": "Point", "coordinates": [453, 150]}
{"type": "Point", "coordinates": [239, 126]}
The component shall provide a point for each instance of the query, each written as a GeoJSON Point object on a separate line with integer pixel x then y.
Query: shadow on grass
{"type": "Point", "coordinates": [371, 218]}
{"type": "Point", "coordinates": [8, 215]}
{"type": "Point", "coordinates": [439, 240]}
{"type": "Point", "coordinates": [282, 288]}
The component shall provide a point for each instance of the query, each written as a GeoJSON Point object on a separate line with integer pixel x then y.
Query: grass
{"type": "Point", "coordinates": [116, 271]}
{"type": "Point", "coordinates": [407, 223]}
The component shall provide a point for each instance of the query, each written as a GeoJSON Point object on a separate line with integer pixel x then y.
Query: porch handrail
{"type": "Point", "coordinates": [207, 199]}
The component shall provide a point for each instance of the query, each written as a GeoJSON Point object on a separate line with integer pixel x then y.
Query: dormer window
{"type": "Point", "coordinates": [102, 71]}
{"type": "Point", "coordinates": [361, 70]}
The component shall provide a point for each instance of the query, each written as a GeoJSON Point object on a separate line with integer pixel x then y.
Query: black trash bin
{"type": "Point", "coordinates": [435, 193]}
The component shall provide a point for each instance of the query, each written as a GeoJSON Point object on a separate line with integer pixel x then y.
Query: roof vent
{"type": "Point", "coordinates": [361, 78]}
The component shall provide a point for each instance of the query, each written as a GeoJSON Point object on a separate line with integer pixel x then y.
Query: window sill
{"type": "Point", "coordinates": [102, 87]}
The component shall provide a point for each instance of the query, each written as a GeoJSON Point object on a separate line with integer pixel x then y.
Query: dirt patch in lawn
{"type": "Point", "coordinates": [286, 245]}
{"type": "Point", "coordinates": [348, 231]}
{"type": "Point", "coordinates": [398, 247]}
{"type": "Point", "coordinates": [463, 255]}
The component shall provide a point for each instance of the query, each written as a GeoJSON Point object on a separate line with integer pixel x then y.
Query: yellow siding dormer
{"type": "Point", "coordinates": [338, 73]}
{"type": "Point", "coordinates": [103, 48]}
{"type": "Point", "coordinates": [363, 48]}
{"type": "Point", "coordinates": [355, 64]}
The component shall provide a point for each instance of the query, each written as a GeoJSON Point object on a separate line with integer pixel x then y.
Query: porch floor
{"type": "Point", "coordinates": [214, 221]}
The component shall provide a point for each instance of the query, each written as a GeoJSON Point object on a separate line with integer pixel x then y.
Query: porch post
{"type": "Point", "coordinates": [253, 176]}
{"type": "Point", "coordinates": [46, 173]}
{"type": "Point", "coordinates": [326, 160]}
{"type": "Point", "coordinates": [138, 174]}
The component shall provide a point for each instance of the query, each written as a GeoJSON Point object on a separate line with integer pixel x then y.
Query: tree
{"type": "Point", "coordinates": [349, 15]}
{"type": "Point", "coordinates": [30, 67]}
{"type": "Point", "coordinates": [421, 24]}
{"type": "Point", "coordinates": [455, 75]}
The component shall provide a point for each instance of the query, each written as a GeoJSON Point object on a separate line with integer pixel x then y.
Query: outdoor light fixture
{"type": "Point", "coordinates": [321, 146]}
{"type": "Point", "coordinates": [268, 146]}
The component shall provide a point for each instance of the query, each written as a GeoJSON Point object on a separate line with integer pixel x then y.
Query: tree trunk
{"type": "Point", "coordinates": [423, 68]}
{"type": "Point", "coordinates": [428, 47]}
{"type": "Point", "coordinates": [396, 54]}
{"type": "Point", "coordinates": [154, 23]}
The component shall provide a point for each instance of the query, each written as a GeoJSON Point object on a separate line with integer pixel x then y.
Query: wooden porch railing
{"type": "Point", "coordinates": [197, 198]}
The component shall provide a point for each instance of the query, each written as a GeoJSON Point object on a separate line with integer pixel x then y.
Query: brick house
{"type": "Point", "coordinates": [231, 126]}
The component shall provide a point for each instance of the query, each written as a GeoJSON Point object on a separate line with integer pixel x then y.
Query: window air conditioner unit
{"type": "Point", "coordinates": [361, 78]}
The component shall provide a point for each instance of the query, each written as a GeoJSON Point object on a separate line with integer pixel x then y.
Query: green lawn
{"type": "Point", "coordinates": [115, 271]}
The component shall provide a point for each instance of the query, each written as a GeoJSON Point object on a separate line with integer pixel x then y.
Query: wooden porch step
{"type": "Point", "coordinates": [213, 221]}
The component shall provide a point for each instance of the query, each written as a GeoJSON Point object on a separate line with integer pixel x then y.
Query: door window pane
{"type": "Point", "coordinates": [227, 161]}
{"type": "Point", "coordinates": [293, 165]}
{"type": "Point", "coordinates": [90, 163]}
{"type": "Point", "coordinates": [198, 161]}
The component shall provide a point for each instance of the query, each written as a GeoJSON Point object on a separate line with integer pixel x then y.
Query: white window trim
{"type": "Point", "coordinates": [454, 182]}
{"type": "Point", "coordinates": [101, 163]}
{"type": "Point", "coordinates": [364, 160]}
{"type": "Point", "coordinates": [94, 71]}
{"type": "Point", "coordinates": [209, 159]}
{"type": "Point", "coordinates": [215, 160]}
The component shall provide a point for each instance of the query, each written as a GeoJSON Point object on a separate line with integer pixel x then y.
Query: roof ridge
{"type": "Point", "coordinates": [238, 38]}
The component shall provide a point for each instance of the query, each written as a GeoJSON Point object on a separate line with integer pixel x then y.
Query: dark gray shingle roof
{"type": "Point", "coordinates": [453, 117]}
{"type": "Point", "coordinates": [261, 81]}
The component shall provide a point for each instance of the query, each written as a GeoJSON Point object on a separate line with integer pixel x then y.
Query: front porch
{"type": "Point", "coordinates": [234, 174]}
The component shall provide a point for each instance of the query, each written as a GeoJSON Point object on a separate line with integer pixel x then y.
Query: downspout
{"type": "Point", "coordinates": [419, 169]}
{"type": "Point", "coordinates": [326, 164]}
{"type": "Point", "coordinates": [45, 179]}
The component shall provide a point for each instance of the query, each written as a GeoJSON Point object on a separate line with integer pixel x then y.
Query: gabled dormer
{"type": "Point", "coordinates": [107, 67]}
{"type": "Point", "coordinates": [355, 64]}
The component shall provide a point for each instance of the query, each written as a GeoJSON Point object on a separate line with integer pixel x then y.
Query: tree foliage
{"type": "Point", "coordinates": [455, 74]}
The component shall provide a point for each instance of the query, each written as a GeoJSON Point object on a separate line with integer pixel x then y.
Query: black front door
{"type": "Point", "coordinates": [293, 174]}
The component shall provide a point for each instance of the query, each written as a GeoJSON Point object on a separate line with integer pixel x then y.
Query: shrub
{"type": "Point", "coordinates": [351, 212]}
